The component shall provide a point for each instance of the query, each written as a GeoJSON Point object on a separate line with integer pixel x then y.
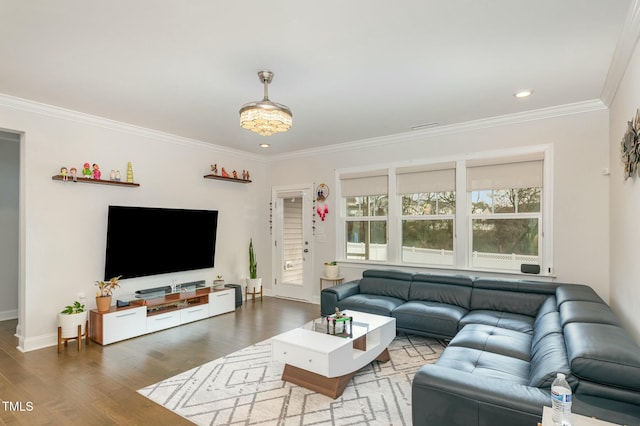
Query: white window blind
{"type": "Point", "coordinates": [515, 174]}
{"type": "Point", "coordinates": [421, 179]}
{"type": "Point", "coordinates": [361, 184]}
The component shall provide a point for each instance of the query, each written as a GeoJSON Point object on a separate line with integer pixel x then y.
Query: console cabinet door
{"type": "Point", "coordinates": [194, 313]}
{"type": "Point", "coordinates": [163, 321]}
{"type": "Point", "coordinates": [124, 324]}
{"type": "Point", "coordinates": [221, 302]}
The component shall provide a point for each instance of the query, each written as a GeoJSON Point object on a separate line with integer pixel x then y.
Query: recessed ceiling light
{"type": "Point", "coordinates": [523, 93]}
{"type": "Point", "coordinates": [264, 145]}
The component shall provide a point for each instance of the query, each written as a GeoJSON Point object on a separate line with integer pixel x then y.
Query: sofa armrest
{"type": "Point", "coordinates": [330, 296]}
{"type": "Point", "coordinates": [444, 396]}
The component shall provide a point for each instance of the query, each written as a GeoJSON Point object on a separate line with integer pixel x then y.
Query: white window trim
{"type": "Point", "coordinates": [462, 222]}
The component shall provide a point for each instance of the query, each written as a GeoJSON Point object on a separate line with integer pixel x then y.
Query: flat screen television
{"type": "Point", "coordinates": [144, 241]}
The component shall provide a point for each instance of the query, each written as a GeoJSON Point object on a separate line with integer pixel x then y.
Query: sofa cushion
{"type": "Point", "coordinates": [379, 305]}
{"type": "Point", "coordinates": [448, 289]}
{"type": "Point", "coordinates": [603, 353]}
{"type": "Point", "coordinates": [543, 326]}
{"type": "Point", "coordinates": [494, 339]}
{"type": "Point", "coordinates": [386, 283]}
{"type": "Point", "coordinates": [582, 311]}
{"type": "Point", "coordinates": [518, 297]}
{"type": "Point", "coordinates": [485, 364]}
{"type": "Point", "coordinates": [549, 357]}
{"type": "Point", "coordinates": [576, 292]}
{"type": "Point", "coordinates": [439, 319]}
{"type": "Point", "coordinates": [517, 322]}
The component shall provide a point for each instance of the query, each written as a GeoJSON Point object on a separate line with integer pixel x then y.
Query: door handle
{"type": "Point", "coordinates": [306, 250]}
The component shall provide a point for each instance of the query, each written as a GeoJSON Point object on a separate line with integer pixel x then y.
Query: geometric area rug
{"type": "Point", "coordinates": [244, 388]}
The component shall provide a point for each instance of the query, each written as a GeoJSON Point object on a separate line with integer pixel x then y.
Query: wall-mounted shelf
{"type": "Point", "coordinates": [227, 179]}
{"type": "Point", "coordinates": [96, 181]}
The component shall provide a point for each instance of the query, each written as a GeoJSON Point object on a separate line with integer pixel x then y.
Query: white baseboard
{"type": "Point", "coordinates": [8, 315]}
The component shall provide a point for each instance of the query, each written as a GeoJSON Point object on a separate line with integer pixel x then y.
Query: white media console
{"type": "Point", "coordinates": [158, 312]}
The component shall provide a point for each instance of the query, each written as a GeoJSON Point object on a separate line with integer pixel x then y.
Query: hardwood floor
{"type": "Point", "coordinates": [97, 386]}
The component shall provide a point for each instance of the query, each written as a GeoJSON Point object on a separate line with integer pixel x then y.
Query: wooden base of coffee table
{"type": "Point", "coordinates": [332, 387]}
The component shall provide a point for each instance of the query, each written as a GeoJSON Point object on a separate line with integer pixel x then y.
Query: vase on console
{"type": "Point", "coordinates": [105, 290]}
{"type": "Point", "coordinates": [103, 303]}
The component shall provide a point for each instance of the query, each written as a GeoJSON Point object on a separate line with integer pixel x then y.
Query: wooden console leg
{"type": "Point", "coordinates": [79, 337]}
{"type": "Point", "coordinates": [60, 339]}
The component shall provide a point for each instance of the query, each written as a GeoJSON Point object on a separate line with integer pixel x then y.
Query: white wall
{"type": "Point", "coordinates": [625, 206]}
{"type": "Point", "coordinates": [9, 184]}
{"type": "Point", "coordinates": [65, 224]}
{"type": "Point", "coordinates": [580, 152]}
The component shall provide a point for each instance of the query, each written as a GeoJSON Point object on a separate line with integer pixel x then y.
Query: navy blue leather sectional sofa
{"type": "Point", "coordinates": [508, 339]}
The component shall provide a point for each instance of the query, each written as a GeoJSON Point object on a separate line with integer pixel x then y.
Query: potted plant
{"type": "Point", "coordinates": [331, 269]}
{"type": "Point", "coordinates": [70, 318]}
{"type": "Point", "coordinates": [105, 290]}
{"type": "Point", "coordinates": [253, 282]}
{"type": "Point", "coordinates": [218, 283]}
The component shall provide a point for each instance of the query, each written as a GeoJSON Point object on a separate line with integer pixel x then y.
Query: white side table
{"type": "Point", "coordinates": [333, 280]}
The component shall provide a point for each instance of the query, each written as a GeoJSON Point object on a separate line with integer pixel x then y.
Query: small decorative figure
{"type": "Point", "coordinates": [96, 171]}
{"type": "Point", "coordinates": [322, 211]}
{"type": "Point", "coordinates": [235, 174]}
{"type": "Point", "coordinates": [214, 169]}
{"type": "Point", "coordinates": [129, 172]}
{"type": "Point", "coordinates": [248, 175]}
{"type": "Point", "coordinates": [63, 172]}
{"type": "Point", "coordinates": [74, 173]}
{"type": "Point", "coordinates": [86, 171]}
{"type": "Point", "coordinates": [117, 175]}
{"type": "Point", "coordinates": [112, 175]}
{"type": "Point", "coordinates": [244, 174]}
{"type": "Point", "coordinates": [224, 173]}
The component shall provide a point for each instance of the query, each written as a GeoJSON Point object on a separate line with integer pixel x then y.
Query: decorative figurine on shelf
{"type": "Point", "coordinates": [112, 175]}
{"type": "Point", "coordinates": [248, 175]}
{"type": "Point", "coordinates": [117, 175]}
{"type": "Point", "coordinates": [74, 174]}
{"type": "Point", "coordinates": [224, 173]}
{"type": "Point", "coordinates": [214, 169]}
{"type": "Point", "coordinates": [129, 172]}
{"type": "Point", "coordinates": [235, 174]}
{"type": "Point", "coordinates": [63, 172]}
{"type": "Point", "coordinates": [244, 174]}
{"type": "Point", "coordinates": [86, 171]}
{"type": "Point", "coordinates": [97, 174]}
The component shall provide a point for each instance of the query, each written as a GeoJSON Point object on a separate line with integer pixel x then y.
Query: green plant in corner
{"type": "Point", "coordinates": [75, 308]}
{"type": "Point", "coordinates": [333, 263]}
{"type": "Point", "coordinates": [253, 265]}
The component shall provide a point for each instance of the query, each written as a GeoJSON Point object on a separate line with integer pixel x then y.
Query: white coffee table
{"type": "Point", "coordinates": [325, 363]}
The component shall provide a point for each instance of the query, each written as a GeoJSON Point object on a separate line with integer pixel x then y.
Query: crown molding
{"type": "Point", "coordinates": [521, 117]}
{"type": "Point", "coordinates": [80, 117]}
{"type": "Point", "coordinates": [627, 42]}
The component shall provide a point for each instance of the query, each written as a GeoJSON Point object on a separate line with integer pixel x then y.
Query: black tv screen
{"type": "Point", "coordinates": [145, 241]}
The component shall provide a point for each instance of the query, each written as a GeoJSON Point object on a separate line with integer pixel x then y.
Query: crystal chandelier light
{"type": "Point", "coordinates": [265, 117]}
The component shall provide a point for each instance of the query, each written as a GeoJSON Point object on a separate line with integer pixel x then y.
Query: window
{"type": "Point", "coordinates": [483, 213]}
{"type": "Point", "coordinates": [367, 205]}
{"type": "Point", "coordinates": [428, 208]}
{"type": "Point", "coordinates": [505, 214]}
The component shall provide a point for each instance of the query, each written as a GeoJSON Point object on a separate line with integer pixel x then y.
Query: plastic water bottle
{"type": "Point", "coordinates": [561, 401]}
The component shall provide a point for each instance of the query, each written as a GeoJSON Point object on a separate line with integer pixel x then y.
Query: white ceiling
{"type": "Point", "coordinates": [349, 70]}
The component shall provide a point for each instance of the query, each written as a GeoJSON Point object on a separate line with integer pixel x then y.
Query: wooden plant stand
{"type": "Point", "coordinates": [79, 337]}
{"type": "Point", "coordinates": [253, 294]}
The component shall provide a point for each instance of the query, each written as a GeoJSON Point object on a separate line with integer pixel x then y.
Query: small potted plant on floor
{"type": "Point", "coordinates": [105, 291]}
{"type": "Point", "coordinates": [253, 282]}
{"type": "Point", "coordinates": [70, 318]}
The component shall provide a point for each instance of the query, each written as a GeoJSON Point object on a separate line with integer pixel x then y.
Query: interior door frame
{"type": "Point", "coordinates": [277, 193]}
